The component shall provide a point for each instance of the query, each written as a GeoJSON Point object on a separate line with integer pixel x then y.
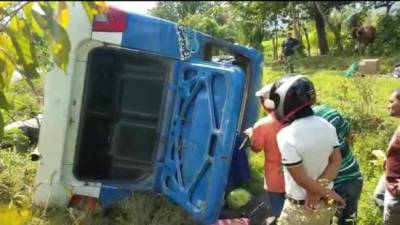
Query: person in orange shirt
{"type": "Point", "coordinates": [263, 136]}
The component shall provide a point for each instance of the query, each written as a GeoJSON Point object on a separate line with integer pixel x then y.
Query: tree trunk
{"type": "Point", "coordinates": [296, 24]}
{"type": "Point", "coordinates": [277, 43]}
{"type": "Point", "coordinates": [388, 7]}
{"type": "Point", "coordinates": [338, 42]}
{"type": "Point", "coordinates": [308, 41]}
{"type": "Point", "coordinates": [274, 52]}
{"type": "Point", "coordinates": [257, 37]}
{"type": "Point", "coordinates": [335, 29]}
{"type": "Point", "coordinates": [295, 21]}
{"type": "Point", "coordinates": [320, 25]}
{"type": "Point", "coordinates": [338, 37]}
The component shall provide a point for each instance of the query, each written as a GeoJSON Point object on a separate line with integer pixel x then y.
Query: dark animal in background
{"type": "Point", "coordinates": [363, 36]}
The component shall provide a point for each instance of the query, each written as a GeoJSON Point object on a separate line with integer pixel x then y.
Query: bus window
{"type": "Point", "coordinates": [119, 126]}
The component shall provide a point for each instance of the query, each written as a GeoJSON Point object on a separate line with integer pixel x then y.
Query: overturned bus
{"type": "Point", "coordinates": [144, 106]}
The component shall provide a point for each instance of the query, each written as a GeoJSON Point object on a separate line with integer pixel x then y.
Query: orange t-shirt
{"type": "Point", "coordinates": [264, 137]}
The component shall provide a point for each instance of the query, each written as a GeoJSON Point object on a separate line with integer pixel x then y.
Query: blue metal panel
{"type": "Point", "coordinates": [200, 124]}
{"type": "Point", "coordinates": [163, 37]}
{"type": "Point", "coordinates": [201, 138]}
{"type": "Point", "coordinates": [151, 35]}
{"type": "Point", "coordinates": [112, 194]}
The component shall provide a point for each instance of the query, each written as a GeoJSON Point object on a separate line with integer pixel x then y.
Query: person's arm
{"type": "Point", "coordinates": [292, 160]}
{"type": "Point", "coordinates": [335, 160]}
{"type": "Point", "coordinates": [256, 138]}
{"type": "Point", "coordinates": [299, 175]}
{"type": "Point", "coordinates": [315, 190]}
{"type": "Point", "coordinates": [349, 139]}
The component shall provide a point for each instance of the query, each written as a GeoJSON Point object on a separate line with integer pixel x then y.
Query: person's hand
{"type": "Point", "coordinates": [249, 132]}
{"type": "Point", "coordinates": [334, 197]}
{"type": "Point", "coordinates": [312, 200]}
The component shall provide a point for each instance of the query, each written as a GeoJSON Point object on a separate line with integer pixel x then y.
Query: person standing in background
{"type": "Point", "coordinates": [288, 50]}
{"type": "Point", "coordinates": [348, 182]}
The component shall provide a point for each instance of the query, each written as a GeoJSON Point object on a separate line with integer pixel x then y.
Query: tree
{"type": "Point", "coordinates": [212, 18]}
{"type": "Point", "coordinates": [320, 27]}
{"type": "Point", "coordinates": [307, 13]}
{"type": "Point", "coordinates": [216, 21]}
{"type": "Point", "coordinates": [29, 37]}
{"type": "Point", "coordinates": [257, 20]}
{"type": "Point", "coordinates": [336, 18]}
{"type": "Point", "coordinates": [380, 4]}
{"type": "Point", "coordinates": [175, 11]}
{"type": "Point", "coordinates": [294, 14]}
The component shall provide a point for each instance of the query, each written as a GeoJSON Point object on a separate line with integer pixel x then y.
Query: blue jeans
{"type": "Point", "coordinates": [276, 201]}
{"type": "Point", "coordinates": [350, 191]}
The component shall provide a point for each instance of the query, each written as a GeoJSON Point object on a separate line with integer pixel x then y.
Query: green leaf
{"type": "Point", "coordinates": [2, 65]}
{"type": "Point", "coordinates": [7, 72]}
{"type": "Point", "coordinates": [61, 59]}
{"type": "Point", "coordinates": [63, 15]}
{"type": "Point", "coordinates": [40, 20]}
{"type": "Point", "coordinates": [28, 13]}
{"type": "Point", "coordinates": [91, 8]}
{"type": "Point", "coordinates": [24, 48]}
{"type": "Point", "coordinates": [49, 7]}
{"type": "Point", "coordinates": [3, 72]}
{"type": "Point", "coordinates": [3, 101]}
{"type": "Point", "coordinates": [60, 43]}
{"type": "Point", "coordinates": [61, 46]}
{"type": "Point", "coordinates": [32, 21]}
{"type": "Point", "coordinates": [88, 9]}
{"type": "Point", "coordinates": [1, 124]}
{"type": "Point", "coordinates": [20, 35]}
{"type": "Point", "coordinates": [4, 4]}
{"type": "Point", "coordinates": [31, 69]}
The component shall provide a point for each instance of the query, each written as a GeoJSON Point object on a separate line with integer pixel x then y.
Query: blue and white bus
{"type": "Point", "coordinates": [146, 104]}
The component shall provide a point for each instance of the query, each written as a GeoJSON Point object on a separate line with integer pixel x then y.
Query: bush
{"type": "Point", "coordinates": [16, 139]}
{"type": "Point", "coordinates": [387, 35]}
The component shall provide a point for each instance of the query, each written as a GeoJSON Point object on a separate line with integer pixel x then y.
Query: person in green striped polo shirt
{"type": "Point", "coordinates": [348, 182]}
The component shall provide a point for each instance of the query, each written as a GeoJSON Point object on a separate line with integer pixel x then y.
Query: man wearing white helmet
{"type": "Point", "coordinates": [310, 155]}
{"type": "Point", "coordinates": [263, 136]}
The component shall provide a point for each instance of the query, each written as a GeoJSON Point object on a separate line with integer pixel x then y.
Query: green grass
{"type": "Point", "coordinates": [363, 100]}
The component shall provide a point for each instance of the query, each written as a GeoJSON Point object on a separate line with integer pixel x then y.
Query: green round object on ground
{"type": "Point", "coordinates": [238, 198]}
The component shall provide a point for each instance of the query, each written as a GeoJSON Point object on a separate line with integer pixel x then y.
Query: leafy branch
{"type": "Point", "coordinates": [14, 13]}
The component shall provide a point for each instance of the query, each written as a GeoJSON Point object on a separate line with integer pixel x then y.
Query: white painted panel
{"type": "Point", "coordinates": [108, 37]}
{"type": "Point", "coordinates": [57, 95]}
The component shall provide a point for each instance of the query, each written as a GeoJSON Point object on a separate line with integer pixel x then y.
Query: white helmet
{"type": "Point", "coordinates": [264, 92]}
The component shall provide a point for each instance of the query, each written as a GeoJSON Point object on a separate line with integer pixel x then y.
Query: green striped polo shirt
{"type": "Point", "coordinates": [349, 169]}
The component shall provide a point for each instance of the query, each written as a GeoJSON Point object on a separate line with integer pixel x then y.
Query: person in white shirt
{"type": "Point", "coordinates": [310, 155]}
